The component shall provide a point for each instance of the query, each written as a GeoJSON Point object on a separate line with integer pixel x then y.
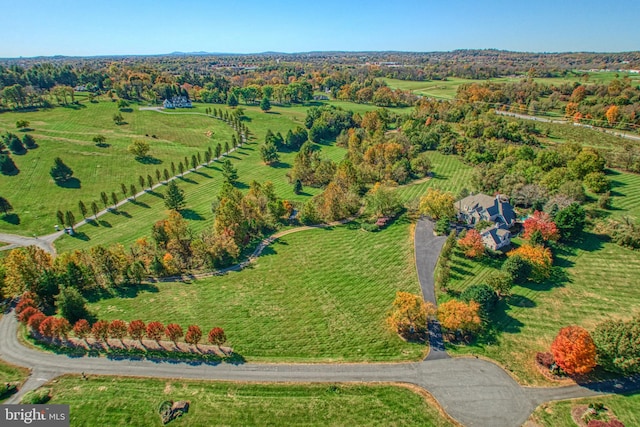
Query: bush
{"type": "Point", "coordinates": [369, 227]}
{"type": "Point", "coordinates": [574, 351]}
{"type": "Point", "coordinates": [37, 397]}
{"type": "Point", "coordinates": [483, 295]}
{"type": "Point", "coordinates": [7, 390]}
{"type": "Point", "coordinates": [618, 346]}
{"type": "Point", "coordinates": [545, 359]}
{"type": "Point", "coordinates": [517, 268]}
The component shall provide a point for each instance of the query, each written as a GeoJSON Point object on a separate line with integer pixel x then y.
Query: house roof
{"type": "Point", "coordinates": [494, 233]}
{"type": "Point", "coordinates": [495, 206]}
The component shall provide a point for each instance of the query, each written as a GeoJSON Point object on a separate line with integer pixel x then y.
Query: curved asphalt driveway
{"type": "Point", "coordinates": [473, 391]}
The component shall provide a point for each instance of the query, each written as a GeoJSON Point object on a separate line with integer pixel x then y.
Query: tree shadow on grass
{"type": "Point", "coordinates": [280, 165]}
{"type": "Point", "coordinates": [240, 185]}
{"type": "Point", "coordinates": [69, 183]}
{"type": "Point", "coordinates": [245, 147]}
{"type": "Point", "coordinates": [155, 193]}
{"type": "Point", "coordinates": [229, 156]}
{"type": "Point", "coordinates": [139, 203]}
{"type": "Point", "coordinates": [127, 291]}
{"type": "Point", "coordinates": [191, 214]}
{"type": "Point", "coordinates": [187, 180]}
{"type": "Point", "coordinates": [81, 236]}
{"type": "Point", "coordinates": [199, 172]}
{"type": "Point", "coordinates": [92, 222]}
{"type": "Point", "coordinates": [149, 160]}
{"type": "Point", "coordinates": [11, 218]}
{"type": "Point", "coordinates": [104, 223]}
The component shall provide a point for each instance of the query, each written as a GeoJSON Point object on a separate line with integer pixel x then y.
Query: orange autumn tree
{"type": "Point", "coordinates": [409, 314]}
{"type": "Point", "coordinates": [612, 114]}
{"type": "Point", "coordinates": [541, 221]}
{"type": "Point", "coordinates": [460, 317]}
{"type": "Point", "coordinates": [574, 350]}
{"type": "Point", "coordinates": [539, 257]}
{"type": "Point", "coordinates": [471, 244]}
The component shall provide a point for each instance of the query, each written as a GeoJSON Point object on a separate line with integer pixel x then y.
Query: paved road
{"type": "Point", "coordinates": [566, 122]}
{"type": "Point", "coordinates": [427, 250]}
{"type": "Point", "coordinates": [473, 391]}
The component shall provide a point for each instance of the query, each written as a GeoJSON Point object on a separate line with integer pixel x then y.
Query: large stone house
{"type": "Point", "coordinates": [497, 210]}
{"type": "Point", "coordinates": [177, 102]}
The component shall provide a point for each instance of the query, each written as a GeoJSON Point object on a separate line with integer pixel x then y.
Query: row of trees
{"type": "Point", "coordinates": [58, 328]}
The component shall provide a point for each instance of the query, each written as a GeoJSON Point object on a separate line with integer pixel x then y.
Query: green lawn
{"type": "Point", "coordinates": [316, 295]}
{"type": "Point", "coordinates": [118, 401]}
{"type": "Point", "coordinates": [447, 88]}
{"type": "Point", "coordinates": [449, 174]}
{"type": "Point", "coordinates": [67, 133]}
{"type": "Point", "coordinates": [558, 414]}
{"type": "Point", "coordinates": [626, 194]}
{"type": "Point", "coordinates": [596, 281]}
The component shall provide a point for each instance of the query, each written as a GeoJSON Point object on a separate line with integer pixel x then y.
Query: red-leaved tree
{"type": "Point", "coordinates": [194, 335]}
{"type": "Point", "coordinates": [35, 321]}
{"type": "Point", "coordinates": [137, 329]}
{"type": "Point", "coordinates": [174, 332]}
{"type": "Point", "coordinates": [47, 327]}
{"type": "Point", "coordinates": [100, 330]}
{"type": "Point", "coordinates": [25, 302]}
{"type": "Point", "coordinates": [471, 244]}
{"type": "Point", "coordinates": [541, 221]}
{"type": "Point", "coordinates": [61, 328]}
{"type": "Point", "coordinates": [155, 331]}
{"type": "Point", "coordinates": [574, 350]}
{"type": "Point", "coordinates": [81, 329]}
{"type": "Point", "coordinates": [25, 314]}
{"type": "Point", "coordinates": [217, 336]}
{"type": "Point", "coordinates": [118, 329]}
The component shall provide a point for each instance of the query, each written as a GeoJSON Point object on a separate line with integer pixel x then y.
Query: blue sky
{"type": "Point", "coordinates": [65, 27]}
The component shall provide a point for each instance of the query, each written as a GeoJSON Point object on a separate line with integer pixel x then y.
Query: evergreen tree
{"type": "Point", "coordinates": [297, 187]}
{"type": "Point", "coordinates": [114, 199]}
{"type": "Point", "coordinates": [174, 198]}
{"type": "Point", "coordinates": [71, 305]}
{"type": "Point", "coordinates": [29, 141]}
{"type": "Point", "coordinates": [194, 162]}
{"type": "Point", "coordinates": [269, 154]}
{"type": "Point", "coordinates": [218, 151]}
{"type": "Point", "coordinates": [149, 181]}
{"type": "Point", "coordinates": [60, 216]}
{"type": "Point", "coordinates": [265, 105]}
{"type": "Point", "coordinates": [7, 166]}
{"type": "Point", "coordinates": [133, 191]}
{"type": "Point", "coordinates": [166, 175]}
{"type": "Point", "coordinates": [60, 172]}
{"type": "Point", "coordinates": [124, 190]}
{"type": "Point", "coordinates": [226, 147]}
{"type": "Point", "coordinates": [232, 101]}
{"type": "Point", "coordinates": [181, 168]}
{"type": "Point", "coordinates": [229, 173]}
{"type": "Point", "coordinates": [173, 168]}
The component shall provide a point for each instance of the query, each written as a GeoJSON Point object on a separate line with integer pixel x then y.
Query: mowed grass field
{"type": "Point", "coordinates": [67, 133]}
{"type": "Point", "coordinates": [593, 281]}
{"type": "Point", "coordinates": [447, 88]}
{"type": "Point", "coordinates": [316, 295]}
{"type": "Point", "coordinates": [558, 414]}
{"type": "Point", "coordinates": [134, 220]}
{"type": "Point", "coordinates": [120, 401]}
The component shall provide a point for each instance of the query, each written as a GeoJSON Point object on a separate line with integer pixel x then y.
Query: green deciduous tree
{"type": "Point", "coordinates": [71, 304]}
{"type": "Point", "coordinates": [140, 149]}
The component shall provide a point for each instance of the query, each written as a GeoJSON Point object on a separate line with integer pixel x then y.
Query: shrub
{"type": "Point", "coordinates": [36, 397]}
{"type": "Point", "coordinates": [517, 268]}
{"type": "Point", "coordinates": [25, 302]}
{"type": "Point", "coordinates": [194, 335]}
{"type": "Point", "coordinates": [81, 329]}
{"type": "Point", "coordinates": [545, 359]}
{"type": "Point", "coordinates": [483, 295]}
{"type": "Point", "coordinates": [618, 345]}
{"type": "Point", "coordinates": [137, 329]}
{"type": "Point", "coordinates": [100, 330]}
